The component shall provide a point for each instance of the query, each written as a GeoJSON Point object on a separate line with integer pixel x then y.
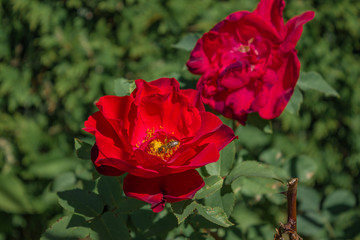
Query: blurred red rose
{"type": "Point", "coordinates": [248, 62]}
{"type": "Point", "coordinates": [158, 135]}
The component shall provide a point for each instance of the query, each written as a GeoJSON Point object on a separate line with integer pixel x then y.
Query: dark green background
{"type": "Point", "coordinates": [58, 57]}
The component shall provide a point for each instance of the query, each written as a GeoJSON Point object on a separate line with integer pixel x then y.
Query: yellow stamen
{"type": "Point", "coordinates": [164, 150]}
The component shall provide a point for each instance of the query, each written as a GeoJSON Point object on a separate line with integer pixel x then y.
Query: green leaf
{"type": "Point", "coordinates": [251, 138]}
{"type": "Point", "coordinates": [212, 184]}
{"type": "Point", "coordinates": [308, 198]}
{"type": "Point", "coordinates": [82, 202]}
{"type": "Point", "coordinates": [110, 191]}
{"type": "Point", "coordinates": [314, 81]}
{"type": "Point", "coordinates": [245, 217]}
{"type": "Point", "coordinates": [263, 124]}
{"type": "Point", "coordinates": [339, 201]}
{"type": "Point", "coordinates": [128, 204]}
{"type": "Point", "coordinates": [310, 223]}
{"type": "Point", "coordinates": [13, 197]}
{"type": "Point", "coordinates": [143, 218]}
{"type": "Point", "coordinates": [272, 156]}
{"type": "Point", "coordinates": [62, 230]}
{"type": "Point", "coordinates": [222, 200]}
{"type": "Point", "coordinates": [251, 186]}
{"type": "Point", "coordinates": [295, 102]}
{"type": "Point", "coordinates": [214, 214]}
{"type": "Point", "coordinates": [187, 43]}
{"type": "Point", "coordinates": [302, 167]}
{"type": "Point", "coordinates": [64, 181]}
{"type": "Point", "coordinates": [110, 227]}
{"type": "Point", "coordinates": [223, 166]}
{"type": "Point", "coordinates": [253, 169]}
{"type": "Point", "coordinates": [51, 168]}
{"type": "Point", "coordinates": [162, 226]}
{"type": "Point", "coordinates": [83, 149]}
{"type": "Point", "coordinates": [183, 209]}
{"type": "Point", "coordinates": [123, 87]}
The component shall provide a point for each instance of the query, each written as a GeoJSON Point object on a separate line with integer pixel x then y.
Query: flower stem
{"type": "Point", "coordinates": [291, 199]}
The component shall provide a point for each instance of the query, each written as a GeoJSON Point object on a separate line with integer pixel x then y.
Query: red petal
{"type": "Point", "coordinates": [158, 190]}
{"type": "Point", "coordinates": [272, 11]}
{"type": "Point", "coordinates": [294, 28]}
{"type": "Point", "coordinates": [103, 169]}
{"type": "Point", "coordinates": [174, 113]}
{"type": "Point", "coordinates": [198, 62]}
{"type": "Point", "coordinates": [114, 107]}
{"type": "Point", "coordinates": [280, 93]}
{"type": "Point", "coordinates": [160, 86]}
{"type": "Point", "coordinates": [194, 98]}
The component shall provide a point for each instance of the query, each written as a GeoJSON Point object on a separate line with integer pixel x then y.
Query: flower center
{"type": "Point", "coordinates": [163, 148]}
{"type": "Point", "coordinates": [246, 48]}
{"type": "Point", "coordinates": [158, 143]}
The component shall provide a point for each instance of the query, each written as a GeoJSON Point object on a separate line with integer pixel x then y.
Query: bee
{"type": "Point", "coordinates": [167, 146]}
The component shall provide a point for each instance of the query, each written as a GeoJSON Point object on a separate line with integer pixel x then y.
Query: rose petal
{"type": "Point", "coordinates": [158, 190]}
{"type": "Point", "coordinates": [294, 29]}
{"type": "Point", "coordinates": [103, 169]}
{"type": "Point", "coordinates": [281, 92]}
{"type": "Point", "coordinates": [99, 126]}
{"type": "Point", "coordinates": [272, 11]}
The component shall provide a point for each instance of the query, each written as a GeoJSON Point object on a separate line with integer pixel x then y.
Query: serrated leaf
{"type": "Point", "coordinates": [62, 229]}
{"type": "Point", "coordinates": [295, 102]}
{"type": "Point", "coordinates": [13, 197]}
{"type": "Point", "coordinates": [123, 87]}
{"type": "Point", "coordinates": [214, 214]}
{"type": "Point", "coordinates": [110, 227]}
{"type": "Point", "coordinates": [252, 169]}
{"type": "Point", "coordinates": [83, 149]}
{"type": "Point", "coordinates": [183, 209]}
{"type": "Point", "coordinates": [314, 81]}
{"type": "Point", "coordinates": [110, 191]}
{"type": "Point", "coordinates": [222, 200]}
{"type": "Point", "coordinates": [82, 202]}
{"type": "Point", "coordinates": [212, 184]}
{"type": "Point", "coordinates": [187, 42]}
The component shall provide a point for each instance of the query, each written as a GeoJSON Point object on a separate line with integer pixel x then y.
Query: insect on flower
{"type": "Point", "coordinates": [167, 146]}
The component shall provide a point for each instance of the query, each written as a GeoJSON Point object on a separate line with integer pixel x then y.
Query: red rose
{"type": "Point", "coordinates": [158, 135]}
{"type": "Point", "coordinates": [248, 62]}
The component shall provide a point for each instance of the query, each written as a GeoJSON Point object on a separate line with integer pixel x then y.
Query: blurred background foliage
{"type": "Point", "coordinates": [58, 57]}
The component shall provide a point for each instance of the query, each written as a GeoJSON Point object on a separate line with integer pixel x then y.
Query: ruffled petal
{"type": "Point", "coordinates": [272, 11]}
{"type": "Point", "coordinates": [114, 107]}
{"type": "Point", "coordinates": [96, 156]}
{"type": "Point", "coordinates": [159, 190]}
{"type": "Point", "coordinates": [294, 29]}
{"type": "Point", "coordinates": [198, 62]}
{"type": "Point", "coordinates": [280, 93]}
{"type": "Point", "coordinates": [172, 112]}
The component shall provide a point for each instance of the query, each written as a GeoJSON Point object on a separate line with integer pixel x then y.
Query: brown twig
{"type": "Point", "coordinates": [291, 199]}
{"type": "Point", "coordinates": [290, 227]}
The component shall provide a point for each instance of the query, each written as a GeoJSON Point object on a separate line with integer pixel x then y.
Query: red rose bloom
{"type": "Point", "coordinates": [248, 62]}
{"type": "Point", "coordinates": [158, 135]}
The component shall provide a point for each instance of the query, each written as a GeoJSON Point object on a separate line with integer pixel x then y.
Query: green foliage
{"type": "Point", "coordinates": [58, 57]}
